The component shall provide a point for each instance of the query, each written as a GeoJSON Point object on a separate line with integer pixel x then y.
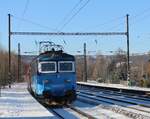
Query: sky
{"type": "Point", "coordinates": [77, 16]}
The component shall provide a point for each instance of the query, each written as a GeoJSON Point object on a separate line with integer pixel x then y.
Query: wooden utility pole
{"type": "Point", "coordinates": [19, 62]}
{"type": "Point", "coordinates": [9, 48]}
{"type": "Point", "coordinates": [0, 87]}
{"type": "Point", "coordinates": [85, 64]}
{"type": "Point", "coordinates": [128, 51]}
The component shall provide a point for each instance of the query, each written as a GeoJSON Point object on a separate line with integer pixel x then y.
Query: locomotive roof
{"type": "Point", "coordinates": [55, 56]}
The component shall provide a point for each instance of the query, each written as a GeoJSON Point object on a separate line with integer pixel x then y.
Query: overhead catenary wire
{"type": "Point", "coordinates": [34, 23]}
{"type": "Point", "coordinates": [71, 18]}
{"type": "Point", "coordinates": [140, 17]}
{"type": "Point", "coordinates": [70, 12]}
{"type": "Point", "coordinates": [24, 12]}
{"type": "Point", "coordinates": [145, 17]}
{"type": "Point", "coordinates": [65, 18]}
{"type": "Point", "coordinates": [135, 18]}
{"type": "Point", "coordinates": [106, 23]}
{"type": "Point", "coordinates": [25, 9]}
{"type": "Point", "coordinates": [141, 13]}
{"type": "Point", "coordinates": [116, 26]}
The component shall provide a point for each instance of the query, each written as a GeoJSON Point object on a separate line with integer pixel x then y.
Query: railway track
{"type": "Point", "coordinates": [116, 105]}
{"type": "Point", "coordinates": [81, 112]}
{"type": "Point", "coordinates": [145, 98]}
{"type": "Point", "coordinates": [130, 109]}
{"type": "Point", "coordinates": [69, 112]}
{"type": "Point", "coordinates": [119, 99]}
{"type": "Point", "coordinates": [118, 93]}
{"type": "Point", "coordinates": [66, 111]}
{"type": "Point", "coordinates": [57, 114]}
{"type": "Point", "coordinates": [122, 91]}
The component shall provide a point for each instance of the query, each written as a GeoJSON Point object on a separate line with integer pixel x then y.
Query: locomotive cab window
{"type": "Point", "coordinates": [66, 66]}
{"type": "Point", "coordinates": [47, 67]}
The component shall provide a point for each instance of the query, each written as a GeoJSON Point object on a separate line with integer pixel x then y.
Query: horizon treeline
{"type": "Point", "coordinates": [4, 79]}
{"type": "Point", "coordinates": [100, 68]}
{"type": "Point", "coordinates": [113, 69]}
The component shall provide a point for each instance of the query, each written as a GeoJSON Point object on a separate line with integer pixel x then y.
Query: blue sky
{"type": "Point", "coordinates": [96, 16]}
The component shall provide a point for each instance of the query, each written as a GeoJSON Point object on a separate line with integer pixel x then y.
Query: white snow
{"type": "Point", "coordinates": [97, 111]}
{"type": "Point", "coordinates": [16, 102]}
{"type": "Point", "coordinates": [120, 105]}
{"type": "Point", "coordinates": [67, 113]}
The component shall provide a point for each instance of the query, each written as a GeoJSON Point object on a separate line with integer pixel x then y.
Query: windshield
{"type": "Point", "coordinates": [47, 67]}
{"type": "Point", "coordinates": [66, 66]}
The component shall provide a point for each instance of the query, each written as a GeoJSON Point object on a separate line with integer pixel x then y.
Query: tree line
{"type": "Point", "coordinates": [4, 79]}
{"type": "Point", "coordinates": [100, 68]}
{"type": "Point", "coordinates": [113, 69]}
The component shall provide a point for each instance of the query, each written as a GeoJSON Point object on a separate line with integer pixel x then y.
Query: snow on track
{"type": "Point", "coordinates": [131, 113]}
{"type": "Point", "coordinates": [16, 102]}
{"type": "Point", "coordinates": [97, 111]}
{"type": "Point", "coordinates": [118, 100]}
{"type": "Point", "coordinates": [68, 113]}
{"type": "Point", "coordinates": [130, 110]}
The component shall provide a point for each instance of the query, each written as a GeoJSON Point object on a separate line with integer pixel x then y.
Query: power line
{"type": "Point", "coordinates": [116, 19]}
{"type": "Point", "coordinates": [34, 23]}
{"type": "Point", "coordinates": [74, 15]}
{"type": "Point", "coordinates": [141, 13]}
{"type": "Point", "coordinates": [24, 11]}
{"type": "Point", "coordinates": [116, 26]}
{"type": "Point", "coordinates": [145, 17]}
{"type": "Point", "coordinates": [65, 18]}
{"type": "Point", "coordinates": [26, 7]}
{"type": "Point", "coordinates": [106, 23]}
{"type": "Point", "coordinates": [138, 15]}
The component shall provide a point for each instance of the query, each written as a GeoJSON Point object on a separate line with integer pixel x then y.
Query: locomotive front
{"type": "Point", "coordinates": [56, 77]}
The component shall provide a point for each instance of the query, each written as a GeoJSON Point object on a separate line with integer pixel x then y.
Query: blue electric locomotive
{"type": "Point", "coordinates": [53, 76]}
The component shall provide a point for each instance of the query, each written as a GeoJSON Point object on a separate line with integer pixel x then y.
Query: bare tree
{"type": "Point", "coordinates": [79, 68]}
{"type": "Point", "coordinates": [90, 67]}
{"type": "Point", "coordinates": [100, 68]}
{"type": "Point", "coordinates": [117, 67]}
{"type": "Point", "coordinates": [4, 67]}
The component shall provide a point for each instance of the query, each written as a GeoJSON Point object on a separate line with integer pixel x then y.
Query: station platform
{"type": "Point", "coordinates": [117, 87]}
{"type": "Point", "coordinates": [17, 103]}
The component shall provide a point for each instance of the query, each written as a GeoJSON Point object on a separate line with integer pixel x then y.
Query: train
{"type": "Point", "coordinates": [52, 77]}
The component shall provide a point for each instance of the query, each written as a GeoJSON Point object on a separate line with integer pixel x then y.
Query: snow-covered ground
{"type": "Point", "coordinates": [97, 111]}
{"type": "Point", "coordinates": [107, 107]}
{"type": "Point", "coordinates": [18, 103]}
{"type": "Point", "coordinates": [68, 113]}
